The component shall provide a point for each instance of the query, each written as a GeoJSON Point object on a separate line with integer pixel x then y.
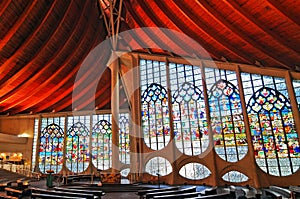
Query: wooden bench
{"type": "Point", "coordinates": [14, 192]}
{"type": "Point", "coordinates": [50, 196]}
{"type": "Point", "coordinates": [4, 196]}
{"type": "Point", "coordinates": [272, 193]}
{"type": "Point", "coordinates": [177, 196]}
{"type": "Point", "coordinates": [179, 191]}
{"type": "Point", "coordinates": [283, 191]}
{"type": "Point", "coordinates": [141, 193]}
{"type": "Point", "coordinates": [97, 193]}
{"type": "Point", "coordinates": [6, 183]}
{"type": "Point", "coordinates": [209, 191]}
{"type": "Point", "coordinates": [216, 196]}
{"type": "Point", "coordinates": [59, 193]}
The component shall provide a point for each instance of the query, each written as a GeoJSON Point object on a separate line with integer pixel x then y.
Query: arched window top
{"type": "Point", "coordinates": [194, 171]}
{"type": "Point", "coordinates": [78, 129]}
{"type": "Point", "coordinates": [103, 127]}
{"type": "Point", "coordinates": [235, 176]}
{"type": "Point", "coordinates": [187, 92]}
{"type": "Point", "coordinates": [266, 99]}
{"type": "Point", "coordinates": [154, 92]}
{"type": "Point", "coordinates": [223, 88]}
{"type": "Point", "coordinates": [53, 131]}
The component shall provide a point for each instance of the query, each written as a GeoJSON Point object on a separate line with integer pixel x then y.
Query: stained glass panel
{"type": "Point", "coordinates": [154, 100]}
{"type": "Point", "coordinates": [158, 165]}
{"type": "Point", "coordinates": [124, 144]}
{"type": "Point", "coordinates": [274, 137]}
{"type": "Point", "coordinates": [77, 148]}
{"type": "Point", "coordinates": [296, 85]}
{"type": "Point", "coordinates": [235, 176]}
{"type": "Point", "coordinates": [102, 144]}
{"type": "Point", "coordinates": [51, 148]}
{"type": "Point", "coordinates": [194, 171]}
{"type": "Point", "coordinates": [227, 121]}
{"type": "Point", "coordinates": [188, 109]}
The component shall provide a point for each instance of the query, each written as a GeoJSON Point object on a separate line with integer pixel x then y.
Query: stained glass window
{"type": "Point", "coordinates": [101, 142]}
{"type": "Point", "coordinates": [77, 148]}
{"type": "Point", "coordinates": [124, 144]}
{"type": "Point", "coordinates": [158, 165]}
{"type": "Point", "coordinates": [154, 99]}
{"type": "Point", "coordinates": [194, 171]}
{"type": "Point", "coordinates": [235, 176]}
{"type": "Point", "coordinates": [296, 85]}
{"type": "Point", "coordinates": [188, 108]}
{"type": "Point", "coordinates": [274, 137]}
{"type": "Point", "coordinates": [51, 145]}
{"type": "Point", "coordinates": [226, 115]}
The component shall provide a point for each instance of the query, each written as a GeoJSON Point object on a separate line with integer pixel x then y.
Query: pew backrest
{"type": "Point", "coordinates": [179, 191]}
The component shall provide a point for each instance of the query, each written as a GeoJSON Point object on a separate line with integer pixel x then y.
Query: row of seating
{"type": "Point", "coordinates": [63, 192]}
{"type": "Point", "coordinates": [179, 193]}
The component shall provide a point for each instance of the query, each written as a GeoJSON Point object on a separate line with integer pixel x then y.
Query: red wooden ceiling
{"type": "Point", "coordinates": [43, 44]}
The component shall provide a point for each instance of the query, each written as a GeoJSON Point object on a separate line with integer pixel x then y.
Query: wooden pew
{"type": "Point", "coordinates": [284, 192]}
{"type": "Point", "coordinates": [296, 192]}
{"type": "Point", "coordinates": [142, 193]}
{"type": "Point", "coordinates": [178, 196]}
{"type": "Point", "coordinates": [4, 196]}
{"type": "Point", "coordinates": [97, 193]}
{"type": "Point", "coordinates": [209, 191]}
{"type": "Point", "coordinates": [215, 196]}
{"type": "Point", "coordinates": [35, 191]}
{"type": "Point", "coordinates": [180, 191]}
{"type": "Point", "coordinates": [50, 196]}
{"type": "Point", "coordinates": [14, 192]}
{"type": "Point", "coordinates": [272, 193]}
{"type": "Point", "coordinates": [4, 184]}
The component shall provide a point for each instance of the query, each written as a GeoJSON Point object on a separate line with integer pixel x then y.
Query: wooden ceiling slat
{"type": "Point", "coordinates": [11, 86]}
{"type": "Point", "coordinates": [69, 77]}
{"type": "Point", "coordinates": [214, 34]}
{"type": "Point", "coordinates": [28, 90]}
{"type": "Point", "coordinates": [17, 25]}
{"type": "Point", "coordinates": [42, 105]}
{"type": "Point", "coordinates": [242, 35]}
{"type": "Point", "coordinates": [264, 28]}
{"type": "Point", "coordinates": [287, 13]}
{"type": "Point", "coordinates": [13, 60]}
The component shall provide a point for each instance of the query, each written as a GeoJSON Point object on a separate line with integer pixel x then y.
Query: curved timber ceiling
{"type": "Point", "coordinates": [43, 44]}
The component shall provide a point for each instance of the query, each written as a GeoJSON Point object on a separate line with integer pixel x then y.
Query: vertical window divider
{"type": "Point", "coordinates": [214, 169]}
{"type": "Point", "coordinates": [38, 145]}
{"type": "Point", "coordinates": [171, 122]}
{"type": "Point", "coordinates": [247, 127]}
{"type": "Point", "coordinates": [65, 145]}
{"type": "Point", "coordinates": [293, 100]}
{"type": "Point", "coordinates": [91, 166]}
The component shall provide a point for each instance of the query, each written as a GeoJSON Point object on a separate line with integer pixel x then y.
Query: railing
{"type": "Point", "coordinates": [20, 169]}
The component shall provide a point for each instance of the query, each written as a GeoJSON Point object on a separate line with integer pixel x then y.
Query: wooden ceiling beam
{"type": "Point", "coordinates": [8, 64]}
{"type": "Point", "coordinates": [4, 6]}
{"type": "Point", "coordinates": [30, 91]}
{"type": "Point", "coordinates": [41, 103]}
{"type": "Point", "coordinates": [214, 35]}
{"type": "Point", "coordinates": [242, 35]}
{"type": "Point", "coordinates": [25, 73]}
{"type": "Point", "coordinates": [18, 24]}
{"type": "Point", "coordinates": [287, 13]}
{"type": "Point", "coordinates": [241, 11]}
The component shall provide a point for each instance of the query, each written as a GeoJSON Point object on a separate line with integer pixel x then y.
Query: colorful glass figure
{"type": "Point", "coordinates": [77, 148]}
{"type": "Point", "coordinates": [51, 148]}
{"type": "Point", "coordinates": [227, 121]}
{"type": "Point", "coordinates": [274, 137]}
{"type": "Point", "coordinates": [102, 145]}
